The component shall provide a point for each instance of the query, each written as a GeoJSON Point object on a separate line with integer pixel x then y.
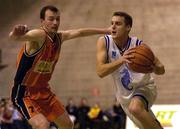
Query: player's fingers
{"type": "Point", "coordinates": [17, 29]}
{"type": "Point", "coordinates": [129, 56]}
{"type": "Point", "coordinates": [20, 29]}
{"type": "Point", "coordinates": [128, 61]}
{"type": "Point", "coordinates": [130, 51]}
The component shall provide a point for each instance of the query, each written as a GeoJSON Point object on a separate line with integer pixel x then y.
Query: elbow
{"type": "Point", "coordinates": [160, 70]}
{"type": "Point", "coordinates": [100, 73]}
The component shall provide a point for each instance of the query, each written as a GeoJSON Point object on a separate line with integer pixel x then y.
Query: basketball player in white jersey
{"type": "Point", "coordinates": [136, 92]}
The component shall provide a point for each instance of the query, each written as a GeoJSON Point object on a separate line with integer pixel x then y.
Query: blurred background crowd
{"type": "Point", "coordinates": [84, 116]}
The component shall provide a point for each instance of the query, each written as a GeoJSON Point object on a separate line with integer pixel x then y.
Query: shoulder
{"type": "Point", "coordinates": [63, 34]}
{"type": "Point", "coordinates": [37, 32]}
{"type": "Point", "coordinates": [135, 41]}
{"type": "Point", "coordinates": [102, 38]}
{"type": "Point", "coordinates": [35, 36]}
{"type": "Point", "coordinates": [101, 43]}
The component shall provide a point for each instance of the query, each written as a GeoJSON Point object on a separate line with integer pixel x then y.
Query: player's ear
{"type": "Point", "coordinates": [128, 27]}
{"type": "Point", "coordinates": [42, 20]}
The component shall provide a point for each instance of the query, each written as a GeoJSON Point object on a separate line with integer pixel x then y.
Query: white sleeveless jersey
{"type": "Point", "coordinates": [127, 81]}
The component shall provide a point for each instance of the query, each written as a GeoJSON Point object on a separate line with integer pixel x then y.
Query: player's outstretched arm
{"type": "Point", "coordinates": [70, 34]}
{"type": "Point", "coordinates": [22, 33]}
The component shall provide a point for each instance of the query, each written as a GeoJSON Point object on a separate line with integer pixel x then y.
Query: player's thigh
{"type": "Point", "coordinates": [63, 120]}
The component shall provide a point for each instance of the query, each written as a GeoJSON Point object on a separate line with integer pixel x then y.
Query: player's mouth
{"type": "Point", "coordinates": [113, 32]}
{"type": "Point", "coordinates": [55, 28]}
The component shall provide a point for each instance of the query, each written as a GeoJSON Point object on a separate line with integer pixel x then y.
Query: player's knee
{"type": "Point", "coordinates": [136, 110]}
{"type": "Point", "coordinates": [69, 125]}
{"type": "Point", "coordinates": [40, 124]}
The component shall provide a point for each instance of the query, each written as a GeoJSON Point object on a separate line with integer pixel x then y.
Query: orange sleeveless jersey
{"type": "Point", "coordinates": [36, 70]}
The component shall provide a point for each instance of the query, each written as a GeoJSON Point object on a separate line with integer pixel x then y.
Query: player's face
{"type": "Point", "coordinates": [51, 21]}
{"type": "Point", "coordinates": [118, 27]}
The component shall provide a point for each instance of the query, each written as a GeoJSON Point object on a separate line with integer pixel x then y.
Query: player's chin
{"type": "Point", "coordinates": [54, 29]}
{"type": "Point", "coordinates": [114, 36]}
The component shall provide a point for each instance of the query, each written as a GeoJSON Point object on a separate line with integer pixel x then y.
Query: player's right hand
{"type": "Point", "coordinates": [127, 56]}
{"type": "Point", "coordinates": [20, 30]}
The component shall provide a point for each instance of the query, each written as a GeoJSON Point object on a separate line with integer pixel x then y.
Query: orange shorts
{"type": "Point", "coordinates": [36, 101]}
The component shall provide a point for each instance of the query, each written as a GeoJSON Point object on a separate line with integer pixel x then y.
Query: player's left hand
{"type": "Point", "coordinates": [20, 30]}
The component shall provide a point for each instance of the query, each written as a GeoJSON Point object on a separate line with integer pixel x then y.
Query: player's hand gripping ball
{"type": "Point", "coordinates": [143, 60]}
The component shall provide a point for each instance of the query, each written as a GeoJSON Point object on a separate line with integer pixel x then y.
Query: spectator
{"type": "Point", "coordinates": [72, 110]}
{"type": "Point", "coordinates": [95, 115]}
{"type": "Point", "coordinates": [83, 110]}
{"type": "Point", "coordinates": [18, 121]}
{"type": "Point", "coordinates": [6, 115]}
{"type": "Point", "coordinates": [119, 117]}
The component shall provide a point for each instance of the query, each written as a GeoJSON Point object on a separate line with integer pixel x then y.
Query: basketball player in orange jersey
{"type": "Point", "coordinates": [31, 93]}
{"type": "Point", "coordinates": [136, 92]}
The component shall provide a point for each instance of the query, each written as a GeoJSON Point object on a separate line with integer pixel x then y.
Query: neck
{"type": "Point", "coordinates": [51, 34]}
{"type": "Point", "coordinates": [121, 42]}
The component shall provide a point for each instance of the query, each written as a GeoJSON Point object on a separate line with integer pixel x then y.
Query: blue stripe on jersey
{"type": "Point", "coordinates": [129, 43]}
{"type": "Point", "coordinates": [24, 65]}
{"type": "Point", "coordinates": [107, 45]}
{"type": "Point", "coordinates": [138, 42]}
{"type": "Point", "coordinates": [107, 42]}
{"type": "Point", "coordinates": [17, 95]}
{"type": "Point", "coordinates": [127, 46]}
{"type": "Point", "coordinates": [26, 53]}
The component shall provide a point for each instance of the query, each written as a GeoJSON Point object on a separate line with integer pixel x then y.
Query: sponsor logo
{"type": "Point", "coordinates": [44, 66]}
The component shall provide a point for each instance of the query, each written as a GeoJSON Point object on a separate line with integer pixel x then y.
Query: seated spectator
{"type": "Point", "coordinates": [6, 115]}
{"type": "Point", "coordinates": [95, 115]}
{"type": "Point", "coordinates": [72, 110]}
{"type": "Point", "coordinates": [95, 112]}
{"type": "Point", "coordinates": [83, 110]}
{"type": "Point", "coordinates": [119, 116]}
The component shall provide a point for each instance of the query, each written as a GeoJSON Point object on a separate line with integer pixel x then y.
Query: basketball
{"type": "Point", "coordinates": [143, 60]}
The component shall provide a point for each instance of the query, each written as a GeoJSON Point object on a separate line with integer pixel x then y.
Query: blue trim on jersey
{"type": "Point", "coordinates": [17, 95]}
{"type": "Point", "coordinates": [127, 46]}
{"type": "Point", "coordinates": [36, 52]}
{"type": "Point", "coordinates": [108, 42]}
{"type": "Point", "coordinates": [24, 65]}
{"type": "Point", "coordinates": [138, 42]}
{"type": "Point", "coordinates": [105, 40]}
{"type": "Point", "coordinates": [107, 45]}
{"type": "Point", "coordinates": [129, 43]}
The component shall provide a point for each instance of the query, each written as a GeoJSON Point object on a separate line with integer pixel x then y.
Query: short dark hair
{"type": "Point", "coordinates": [127, 17]}
{"type": "Point", "coordinates": [45, 8]}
